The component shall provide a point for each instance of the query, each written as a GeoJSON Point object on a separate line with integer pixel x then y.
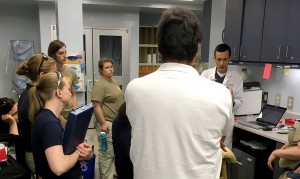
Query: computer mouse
{"type": "Point", "coordinates": [286, 131]}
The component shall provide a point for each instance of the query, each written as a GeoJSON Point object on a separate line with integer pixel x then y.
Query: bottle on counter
{"type": "Point", "coordinates": [103, 146]}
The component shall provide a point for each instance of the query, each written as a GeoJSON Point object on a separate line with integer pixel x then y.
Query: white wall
{"type": "Point", "coordinates": [117, 17]}
{"type": "Point", "coordinates": [18, 22]}
{"type": "Point", "coordinates": [47, 18]}
{"type": "Point", "coordinates": [217, 25]}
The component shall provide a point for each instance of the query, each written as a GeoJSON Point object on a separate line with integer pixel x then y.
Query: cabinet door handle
{"type": "Point", "coordinates": [287, 52]}
{"type": "Point", "coordinates": [233, 53]}
{"type": "Point", "coordinates": [279, 49]}
{"type": "Point", "coordinates": [241, 50]}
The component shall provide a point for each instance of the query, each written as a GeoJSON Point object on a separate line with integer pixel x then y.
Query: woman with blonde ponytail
{"type": "Point", "coordinates": [47, 99]}
{"type": "Point", "coordinates": [33, 68]}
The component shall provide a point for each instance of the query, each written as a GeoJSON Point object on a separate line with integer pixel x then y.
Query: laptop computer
{"type": "Point", "coordinates": [270, 116]}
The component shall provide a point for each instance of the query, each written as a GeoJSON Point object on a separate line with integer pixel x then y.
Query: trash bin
{"type": "Point", "coordinates": [88, 168]}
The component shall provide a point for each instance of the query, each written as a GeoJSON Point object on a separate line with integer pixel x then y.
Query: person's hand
{"type": "Point", "coordinates": [7, 118]}
{"type": "Point", "coordinates": [222, 144]}
{"type": "Point", "coordinates": [284, 146]}
{"type": "Point", "coordinates": [84, 150]}
{"type": "Point", "coordinates": [297, 170]}
{"type": "Point", "coordinates": [104, 127]}
{"type": "Point", "coordinates": [232, 95]}
{"type": "Point", "coordinates": [271, 159]}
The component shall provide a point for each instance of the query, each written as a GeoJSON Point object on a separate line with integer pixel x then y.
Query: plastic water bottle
{"type": "Point", "coordinates": [103, 141]}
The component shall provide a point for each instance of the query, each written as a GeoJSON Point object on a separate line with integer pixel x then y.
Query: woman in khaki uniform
{"type": "Point", "coordinates": [107, 97]}
{"type": "Point", "coordinates": [289, 154]}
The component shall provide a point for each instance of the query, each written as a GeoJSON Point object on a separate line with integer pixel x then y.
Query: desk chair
{"type": "Point", "coordinates": [227, 157]}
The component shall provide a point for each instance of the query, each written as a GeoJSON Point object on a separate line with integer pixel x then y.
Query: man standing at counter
{"type": "Point", "coordinates": [230, 78]}
{"type": "Point", "coordinates": [174, 134]}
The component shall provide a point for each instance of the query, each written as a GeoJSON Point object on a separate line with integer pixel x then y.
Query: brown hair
{"type": "Point", "coordinates": [43, 92]}
{"type": "Point", "coordinates": [178, 35]}
{"type": "Point", "coordinates": [31, 68]}
{"type": "Point", "coordinates": [54, 46]}
{"type": "Point", "coordinates": [101, 63]}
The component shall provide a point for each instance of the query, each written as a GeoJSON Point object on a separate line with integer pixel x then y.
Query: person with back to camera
{"type": "Point", "coordinates": [47, 99]}
{"type": "Point", "coordinates": [107, 97]}
{"type": "Point", "coordinates": [232, 79]}
{"type": "Point", "coordinates": [57, 50]}
{"type": "Point", "coordinates": [174, 134]}
{"type": "Point", "coordinates": [35, 67]}
{"type": "Point", "coordinates": [121, 135]}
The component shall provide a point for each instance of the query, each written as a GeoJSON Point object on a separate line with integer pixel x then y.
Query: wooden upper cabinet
{"type": "Point", "coordinates": [243, 28]}
{"type": "Point", "coordinates": [281, 32]}
{"type": "Point", "coordinates": [233, 26]}
{"type": "Point", "coordinates": [293, 38]}
{"type": "Point", "coordinates": [275, 31]}
{"type": "Point", "coordinates": [252, 28]}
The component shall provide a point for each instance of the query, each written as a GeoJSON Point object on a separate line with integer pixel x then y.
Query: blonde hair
{"type": "Point", "coordinates": [43, 92]}
{"type": "Point", "coordinates": [31, 68]}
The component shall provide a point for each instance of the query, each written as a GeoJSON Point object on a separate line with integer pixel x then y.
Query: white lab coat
{"type": "Point", "coordinates": [235, 80]}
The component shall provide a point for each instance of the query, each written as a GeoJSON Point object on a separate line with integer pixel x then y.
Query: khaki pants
{"type": "Point", "coordinates": [106, 159]}
{"type": "Point", "coordinates": [30, 161]}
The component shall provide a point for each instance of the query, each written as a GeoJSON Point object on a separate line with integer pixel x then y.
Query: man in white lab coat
{"type": "Point", "coordinates": [232, 79]}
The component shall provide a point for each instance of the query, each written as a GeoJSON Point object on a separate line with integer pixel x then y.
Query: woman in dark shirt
{"type": "Point", "coordinates": [9, 116]}
{"type": "Point", "coordinates": [47, 99]}
{"type": "Point", "coordinates": [121, 134]}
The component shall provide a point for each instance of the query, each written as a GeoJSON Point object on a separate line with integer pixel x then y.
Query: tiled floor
{"type": "Point", "coordinates": [91, 138]}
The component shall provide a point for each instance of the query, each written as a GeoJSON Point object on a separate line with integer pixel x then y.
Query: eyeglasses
{"type": "Point", "coordinates": [59, 76]}
{"type": "Point", "coordinates": [44, 57]}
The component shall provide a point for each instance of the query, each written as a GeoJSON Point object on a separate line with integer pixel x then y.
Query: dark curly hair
{"type": "Point", "coordinates": [6, 104]}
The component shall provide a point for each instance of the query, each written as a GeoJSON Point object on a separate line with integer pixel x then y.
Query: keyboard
{"type": "Point", "coordinates": [252, 124]}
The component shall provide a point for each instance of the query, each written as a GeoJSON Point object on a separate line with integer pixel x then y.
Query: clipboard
{"type": "Point", "coordinates": [76, 127]}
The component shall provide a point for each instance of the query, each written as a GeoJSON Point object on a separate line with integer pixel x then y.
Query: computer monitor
{"type": "Point", "coordinates": [76, 127]}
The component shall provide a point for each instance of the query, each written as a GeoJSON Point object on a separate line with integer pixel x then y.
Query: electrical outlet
{"type": "Point", "coordinates": [290, 102]}
{"type": "Point", "coordinates": [277, 100]}
{"type": "Point", "coordinates": [265, 97]}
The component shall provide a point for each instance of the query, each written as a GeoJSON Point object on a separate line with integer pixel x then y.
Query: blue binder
{"type": "Point", "coordinates": [76, 127]}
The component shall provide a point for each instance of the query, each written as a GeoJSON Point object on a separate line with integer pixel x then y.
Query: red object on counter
{"type": "Point", "coordinates": [289, 121]}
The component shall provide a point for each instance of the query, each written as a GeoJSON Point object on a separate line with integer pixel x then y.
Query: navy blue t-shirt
{"type": "Point", "coordinates": [47, 132]}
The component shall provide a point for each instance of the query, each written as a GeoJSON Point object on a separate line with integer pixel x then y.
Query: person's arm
{"type": "Point", "coordinates": [99, 115]}
{"type": "Point", "coordinates": [59, 162]}
{"type": "Point", "coordinates": [291, 153]}
{"type": "Point", "coordinates": [13, 127]}
{"type": "Point", "coordinates": [223, 144]}
{"type": "Point", "coordinates": [74, 96]}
